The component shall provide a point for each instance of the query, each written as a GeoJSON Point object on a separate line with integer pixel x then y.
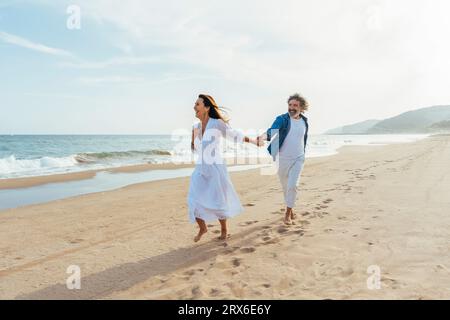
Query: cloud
{"type": "Point", "coordinates": [266, 42]}
{"type": "Point", "coordinates": [52, 95]}
{"type": "Point", "coordinates": [110, 80]}
{"type": "Point", "coordinates": [116, 61]}
{"type": "Point", "coordinates": [25, 43]}
{"type": "Point", "coordinates": [163, 79]}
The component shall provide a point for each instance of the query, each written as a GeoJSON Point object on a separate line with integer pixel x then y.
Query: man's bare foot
{"type": "Point", "coordinates": [287, 219]}
{"type": "Point", "coordinates": [293, 215]}
{"type": "Point", "coordinates": [201, 232]}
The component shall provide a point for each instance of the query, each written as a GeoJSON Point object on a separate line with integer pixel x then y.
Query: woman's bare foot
{"type": "Point", "coordinates": [223, 234]}
{"type": "Point", "coordinates": [201, 232]}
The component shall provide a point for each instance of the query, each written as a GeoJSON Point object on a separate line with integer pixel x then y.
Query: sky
{"type": "Point", "coordinates": [137, 67]}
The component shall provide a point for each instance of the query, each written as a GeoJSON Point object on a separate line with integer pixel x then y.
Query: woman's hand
{"type": "Point", "coordinates": [256, 141]}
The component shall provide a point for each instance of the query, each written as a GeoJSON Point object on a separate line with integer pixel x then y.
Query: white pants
{"type": "Point", "coordinates": [289, 171]}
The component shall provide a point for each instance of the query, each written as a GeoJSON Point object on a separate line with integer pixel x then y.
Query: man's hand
{"type": "Point", "coordinates": [260, 141]}
{"type": "Point", "coordinates": [256, 141]}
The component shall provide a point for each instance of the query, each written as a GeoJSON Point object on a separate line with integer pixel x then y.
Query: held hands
{"type": "Point", "coordinates": [258, 141]}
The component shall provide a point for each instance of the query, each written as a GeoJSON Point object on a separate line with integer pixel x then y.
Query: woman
{"type": "Point", "coordinates": [211, 194]}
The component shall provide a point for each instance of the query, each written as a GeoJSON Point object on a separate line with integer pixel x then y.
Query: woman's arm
{"type": "Point", "coordinates": [233, 134]}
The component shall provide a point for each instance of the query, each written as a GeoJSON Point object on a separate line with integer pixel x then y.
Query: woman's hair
{"type": "Point", "coordinates": [215, 111]}
{"type": "Point", "coordinates": [303, 103]}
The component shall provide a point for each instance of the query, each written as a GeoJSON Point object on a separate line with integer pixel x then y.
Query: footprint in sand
{"type": "Point", "coordinates": [226, 264]}
{"type": "Point", "coordinates": [328, 200]}
{"type": "Point", "coordinates": [214, 292]}
{"type": "Point", "coordinates": [340, 271]}
{"type": "Point", "coordinates": [189, 272]}
{"type": "Point", "coordinates": [229, 251]}
{"type": "Point", "coordinates": [440, 267]}
{"type": "Point", "coordinates": [264, 233]}
{"type": "Point", "coordinates": [249, 205]}
{"type": "Point", "coordinates": [248, 250]}
{"type": "Point", "coordinates": [192, 272]}
{"type": "Point", "coordinates": [236, 262]}
{"type": "Point", "coordinates": [271, 241]}
{"type": "Point", "coordinates": [247, 223]}
{"type": "Point", "coordinates": [74, 241]}
{"type": "Point", "coordinates": [321, 214]}
{"type": "Point", "coordinates": [282, 230]}
{"type": "Point", "coordinates": [216, 231]}
{"type": "Point", "coordinates": [210, 226]}
{"type": "Point", "coordinates": [392, 283]}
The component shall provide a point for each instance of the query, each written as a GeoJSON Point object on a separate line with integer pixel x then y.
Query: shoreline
{"type": "Point", "coordinates": [30, 181]}
{"type": "Point", "coordinates": [26, 182]}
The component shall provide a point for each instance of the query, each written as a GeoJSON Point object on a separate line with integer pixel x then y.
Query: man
{"type": "Point", "coordinates": [289, 135]}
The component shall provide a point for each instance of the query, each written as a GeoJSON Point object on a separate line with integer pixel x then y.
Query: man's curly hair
{"type": "Point", "coordinates": [303, 103]}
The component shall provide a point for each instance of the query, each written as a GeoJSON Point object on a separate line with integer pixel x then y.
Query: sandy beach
{"type": "Point", "coordinates": [382, 206]}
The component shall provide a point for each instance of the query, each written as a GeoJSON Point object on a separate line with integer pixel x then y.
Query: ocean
{"type": "Point", "coordinates": [36, 155]}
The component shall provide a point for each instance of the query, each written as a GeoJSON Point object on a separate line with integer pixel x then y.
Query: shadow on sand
{"type": "Point", "coordinates": [125, 276]}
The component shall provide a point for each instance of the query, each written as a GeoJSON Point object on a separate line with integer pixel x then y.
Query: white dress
{"type": "Point", "coordinates": [211, 194]}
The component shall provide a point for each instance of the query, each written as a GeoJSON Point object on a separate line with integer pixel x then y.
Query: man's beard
{"type": "Point", "coordinates": [293, 112]}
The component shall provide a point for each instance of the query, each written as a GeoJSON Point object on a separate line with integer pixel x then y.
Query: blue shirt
{"type": "Point", "coordinates": [282, 125]}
